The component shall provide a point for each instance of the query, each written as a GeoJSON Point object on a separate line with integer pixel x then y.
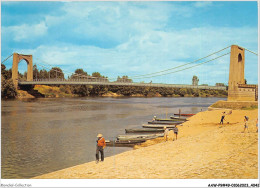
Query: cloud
{"type": "Point", "coordinates": [25, 31]}
{"type": "Point", "coordinates": [132, 38]}
{"type": "Point", "coordinates": [154, 51]}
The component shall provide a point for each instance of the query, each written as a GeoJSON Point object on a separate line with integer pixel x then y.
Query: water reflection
{"type": "Point", "coordinates": [44, 135]}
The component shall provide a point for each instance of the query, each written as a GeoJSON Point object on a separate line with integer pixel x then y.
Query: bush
{"type": "Point", "coordinates": [7, 88]}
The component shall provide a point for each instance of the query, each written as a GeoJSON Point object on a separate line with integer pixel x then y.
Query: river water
{"type": "Point", "coordinates": [44, 135]}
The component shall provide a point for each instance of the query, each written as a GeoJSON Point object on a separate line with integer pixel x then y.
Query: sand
{"type": "Point", "coordinates": [204, 150]}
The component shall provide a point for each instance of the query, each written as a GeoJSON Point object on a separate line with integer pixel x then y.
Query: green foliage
{"type": "Point", "coordinates": [124, 79]}
{"type": "Point", "coordinates": [7, 88]}
{"type": "Point", "coordinates": [56, 72]}
{"type": "Point", "coordinates": [252, 107]}
{"type": "Point", "coordinates": [82, 90]}
{"type": "Point", "coordinates": [97, 74]}
{"type": "Point", "coordinates": [7, 74]}
{"type": "Point", "coordinates": [79, 73]}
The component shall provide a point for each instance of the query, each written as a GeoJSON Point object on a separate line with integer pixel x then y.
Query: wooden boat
{"type": "Point", "coordinates": [184, 114]}
{"type": "Point", "coordinates": [120, 143]}
{"type": "Point", "coordinates": [165, 123]}
{"type": "Point", "coordinates": [138, 137]}
{"type": "Point", "coordinates": [143, 130]}
{"type": "Point", "coordinates": [158, 126]}
{"type": "Point", "coordinates": [172, 119]}
{"type": "Point", "coordinates": [178, 118]}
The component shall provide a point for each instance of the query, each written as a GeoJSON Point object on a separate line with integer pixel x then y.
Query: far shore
{"type": "Point", "coordinates": [204, 150]}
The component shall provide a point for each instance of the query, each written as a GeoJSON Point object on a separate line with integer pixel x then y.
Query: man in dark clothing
{"type": "Point", "coordinates": [175, 130]}
{"type": "Point", "coordinates": [101, 144]}
{"type": "Point", "coordinates": [222, 117]}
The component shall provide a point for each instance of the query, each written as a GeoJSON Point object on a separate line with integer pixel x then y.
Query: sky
{"type": "Point", "coordinates": [133, 38]}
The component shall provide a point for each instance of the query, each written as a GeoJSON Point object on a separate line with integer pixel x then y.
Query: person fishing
{"type": "Point", "coordinates": [222, 117]}
{"type": "Point", "coordinates": [154, 118]}
{"type": "Point", "coordinates": [101, 144]}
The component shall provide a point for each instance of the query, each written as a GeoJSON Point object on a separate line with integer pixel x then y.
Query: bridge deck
{"type": "Point", "coordinates": [66, 82]}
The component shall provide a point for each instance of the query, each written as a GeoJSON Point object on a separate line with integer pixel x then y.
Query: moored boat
{"type": "Point", "coordinates": [122, 143]}
{"type": "Point", "coordinates": [138, 137]}
{"type": "Point", "coordinates": [165, 123]}
{"type": "Point", "coordinates": [185, 114]}
{"type": "Point", "coordinates": [159, 126]}
{"type": "Point", "coordinates": [172, 119]}
{"type": "Point", "coordinates": [178, 118]}
{"type": "Point", "coordinates": [142, 130]}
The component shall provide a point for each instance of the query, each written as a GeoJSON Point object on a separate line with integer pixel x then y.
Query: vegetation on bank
{"type": "Point", "coordinates": [131, 91]}
{"type": "Point", "coordinates": [9, 91]}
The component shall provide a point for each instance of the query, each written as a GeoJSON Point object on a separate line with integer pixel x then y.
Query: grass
{"type": "Point", "coordinates": [253, 107]}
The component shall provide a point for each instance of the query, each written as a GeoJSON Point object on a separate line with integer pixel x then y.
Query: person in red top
{"type": "Point", "coordinates": [101, 144]}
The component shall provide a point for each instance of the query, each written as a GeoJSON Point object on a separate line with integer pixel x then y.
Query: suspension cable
{"type": "Point", "coordinates": [251, 51]}
{"type": "Point", "coordinates": [185, 68]}
{"type": "Point", "coordinates": [180, 65]}
{"type": "Point", "coordinates": [7, 58]}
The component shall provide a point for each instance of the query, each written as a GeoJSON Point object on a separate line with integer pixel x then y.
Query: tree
{"type": "Point", "coordinates": [124, 79]}
{"type": "Point", "coordinates": [7, 74]}
{"type": "Point", "coordinates": [7, 88]}
{"type": "Point", "coordinates": [43, 74]}
{"type": "Point", "coordinates": [220, 84]}
{"type": "Point", "coordinates": [35, 72]}
{"type": "Point", "coordinates": [56, 72]}
{"type": "Point", "coordinates": [97, 74]}
{"type": "Point", "coordinates": [79, 73]}
{"type": "Point", "coordinates": [195, 80]}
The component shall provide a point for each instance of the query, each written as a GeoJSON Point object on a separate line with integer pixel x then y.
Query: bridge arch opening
{"type": "Point", "coordinates": [239, 58]}
{"type": "Point", "coordinates": [22, 70]}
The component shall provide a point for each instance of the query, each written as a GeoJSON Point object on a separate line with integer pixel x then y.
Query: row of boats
{"type": "Point", "coordinates": [155, 128]}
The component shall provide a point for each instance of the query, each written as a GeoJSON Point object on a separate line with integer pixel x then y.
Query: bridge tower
{"type": "Point", "coordinates": [16, 59]}
{"type": "Point", "coordinates": [238, 90]}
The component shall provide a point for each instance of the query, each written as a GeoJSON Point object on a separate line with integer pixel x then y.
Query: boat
{"type": "Point", "coordinates": [158, 126]}
{"type": "Point", "coordinates": [178, 118]}
{"type": "Point", "coordinates": [185, 114]}
{"type": "Point", "coordinates": [165, 123]}
{"type": "Point", "coordinates": [172, 119]}
{"type": "Point", "coordinates": [138, 137]}
{"type": "Point", "coordinates": [143, 130]}
{"type": "Point", "coordinates": [122, 143]}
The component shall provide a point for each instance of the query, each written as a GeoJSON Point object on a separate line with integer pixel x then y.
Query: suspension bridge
{"type": "Point", "coordinates": [79, 79]}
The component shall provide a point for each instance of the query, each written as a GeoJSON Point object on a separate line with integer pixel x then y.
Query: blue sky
{"type": "Point", "coordinates": [132, 38]}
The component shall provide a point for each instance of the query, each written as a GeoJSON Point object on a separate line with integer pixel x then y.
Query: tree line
{"type": "Point", "coordinates": [8, 90]}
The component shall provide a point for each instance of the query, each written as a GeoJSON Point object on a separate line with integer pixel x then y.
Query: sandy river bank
{"type": "Point", "coordinates": [204, 150]}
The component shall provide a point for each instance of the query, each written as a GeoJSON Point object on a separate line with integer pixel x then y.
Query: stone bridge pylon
{"type": "Point", "coordinates": [16, 59]}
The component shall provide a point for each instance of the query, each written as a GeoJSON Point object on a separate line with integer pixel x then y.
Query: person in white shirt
{"type": "Point", "coordinates": [166, 133]}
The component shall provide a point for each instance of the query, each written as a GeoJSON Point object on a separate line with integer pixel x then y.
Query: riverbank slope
{"type": "Point", "coordinates": [204, 150]}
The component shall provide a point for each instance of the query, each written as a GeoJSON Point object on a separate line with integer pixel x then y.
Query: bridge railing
{"type": "Point", "coordinates": [104, 81]}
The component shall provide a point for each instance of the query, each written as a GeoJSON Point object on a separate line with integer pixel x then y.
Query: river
{"type": "Point", "coordinates": [43, 135]}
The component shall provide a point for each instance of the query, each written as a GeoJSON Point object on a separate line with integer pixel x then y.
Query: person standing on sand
{"type": "Point", "coordinates": [257, 125]}
{"type": "Point", "coordinates": [101, 144]}
{"type": "Point", "coordinates": [222, 117]}
{"type": "Point", "coordinates": [166, 133]}
{"type": "Point", "coordinates": [246, 124]}
{"type": "Point", "coordinates": [175, 130]}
